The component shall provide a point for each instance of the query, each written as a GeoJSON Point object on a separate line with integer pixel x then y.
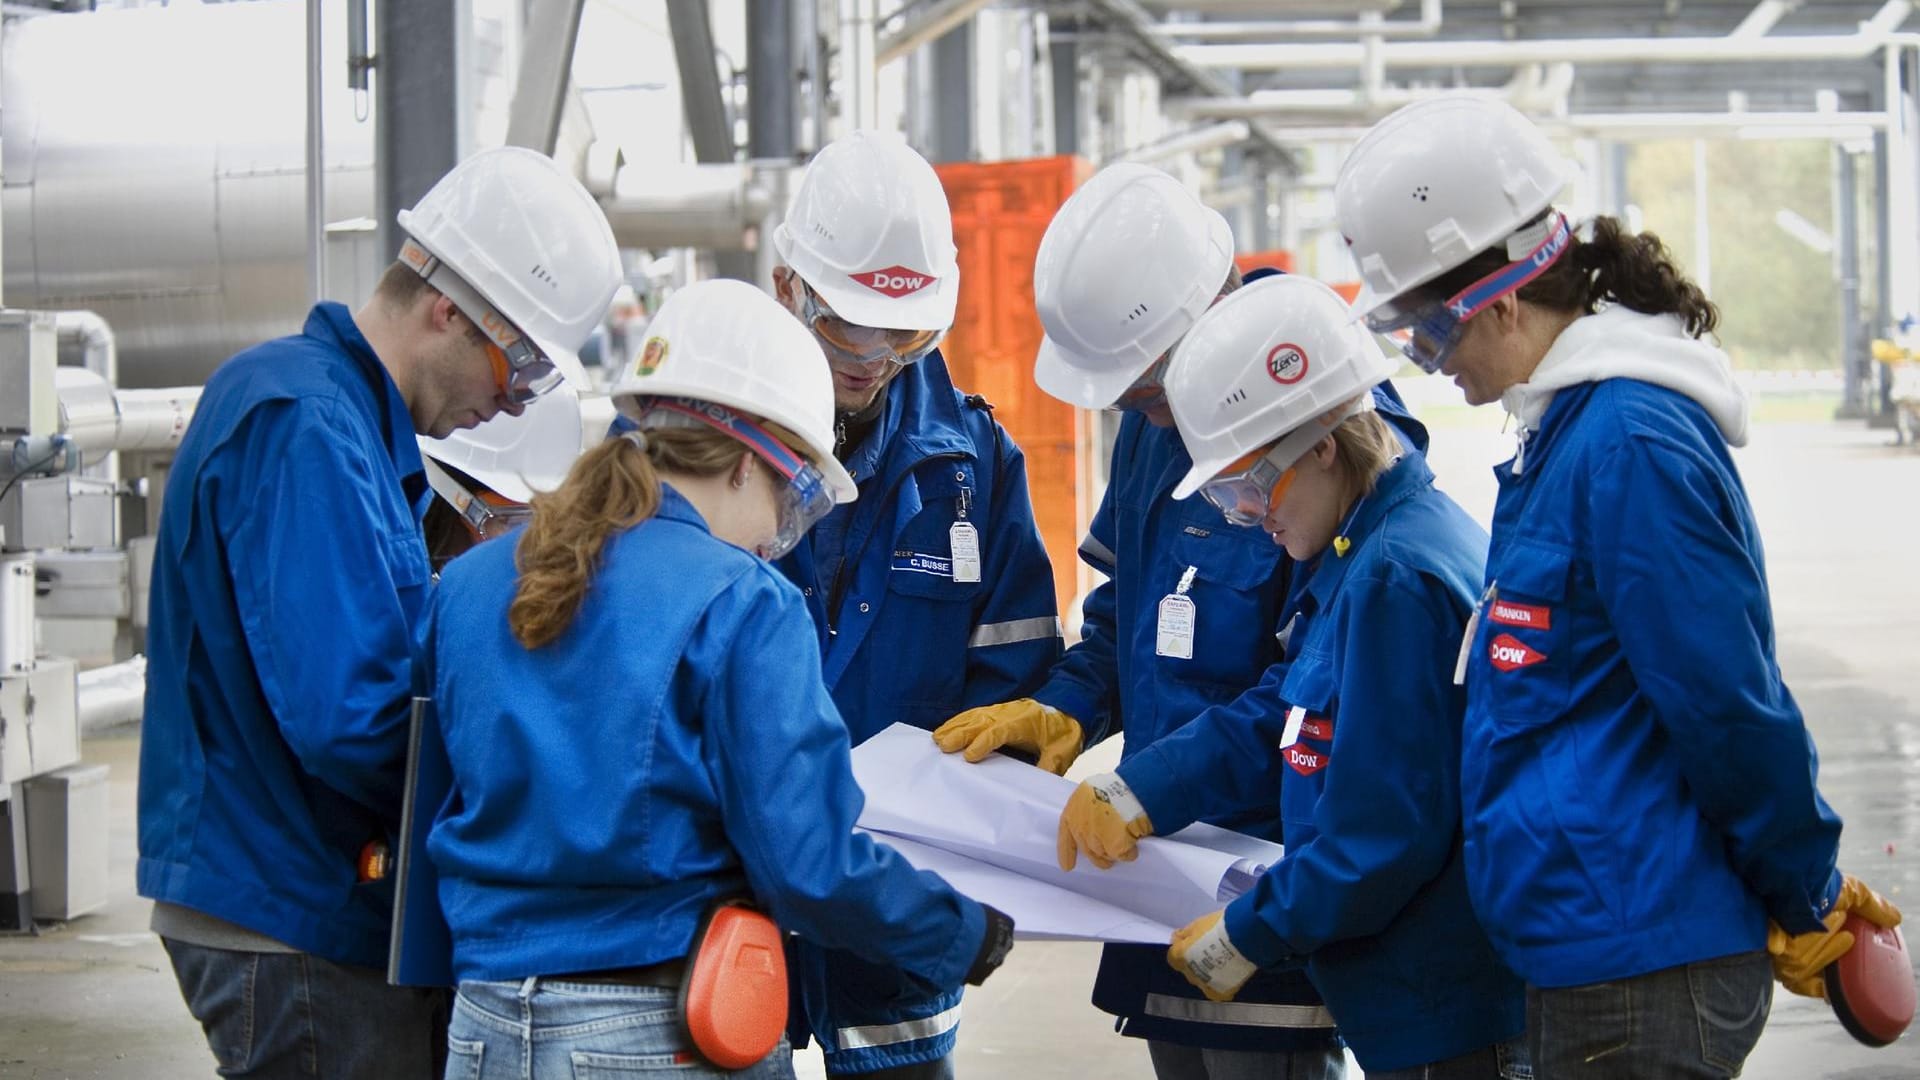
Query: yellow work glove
{"type": "Point", "coordinates": [1049, 734]}
{"type": "Point", "coordinates": [1102, 818]}
{"type": "Point", "coordinates": [1202, 953]}
{"type": "Point", "coordinates": [1800, 960]}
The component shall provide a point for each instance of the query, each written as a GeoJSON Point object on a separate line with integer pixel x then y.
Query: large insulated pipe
{"type": "Point", "coordinates": [99, 418]}
{"type": "Point", "coordinates": [112, 695]}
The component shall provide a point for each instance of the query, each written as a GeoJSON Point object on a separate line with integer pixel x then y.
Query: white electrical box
{"type": "Point", "coordinates": [39, 720]}
{"type": "Point", "coordinates": [67, 841]}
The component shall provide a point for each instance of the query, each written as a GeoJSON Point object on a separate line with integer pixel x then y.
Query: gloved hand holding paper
{"type": "Point", "coordinates": [990, 830]}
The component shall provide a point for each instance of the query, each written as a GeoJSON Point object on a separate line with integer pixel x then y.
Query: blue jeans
{"type": "Point", "coordinates": [1501, 1061]}
{"type": "Point", "coordinates": [1696, 1020]}
{"type": "Point", "coordinates": [291, 1015]}
{"type": "Point", "coordinates": [1175, 1062]}
{"type": "Point", "coordinates": [551, 1029]}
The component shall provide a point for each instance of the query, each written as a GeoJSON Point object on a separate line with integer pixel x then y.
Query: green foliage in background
{"type": "Point", "coordinates": [1779, 302]}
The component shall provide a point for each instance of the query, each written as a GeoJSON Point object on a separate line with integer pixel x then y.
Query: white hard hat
{"type": "Point", "coordinates": [870, 232]}
{"type": "Point", "coordinates": [1266, 361]}
{"type": "Point", "coordinates": [1125, 268]}
{"type": "Point", "coordinates": [518, 456]}
{"type": "Point", "coordinates": [529, 239]}
{"type": "Point", "coordinates": [729, 343]}
{"type": "Point", "coordinates": [1436, 183]}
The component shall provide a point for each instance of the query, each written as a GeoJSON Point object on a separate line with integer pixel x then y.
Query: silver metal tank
{"type": "Point", "coordinates": [154, 172]}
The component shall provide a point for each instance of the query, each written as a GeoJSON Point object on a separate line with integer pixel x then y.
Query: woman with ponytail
{"type": "Point", "coordinates": [1644, 840]}
{"type": "Point", "coordinates": [632, 708]}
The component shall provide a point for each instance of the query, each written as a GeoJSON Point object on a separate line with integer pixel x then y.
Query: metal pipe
{"type": "Point", "coordinates": [1764, 17]}
{"type": "Point", "coordinates": [316, 162]}
{"type": "Point", "coordinates": [1211, 137]}
{"type": "Point", "coordinates": [924, 26]}
{"type": "Point", "coordinates": [770, 79]}
{"type": "Point", "coordinates": [98, 418]}
{"type": "Point", "coordinates": [1533, 89]}
{"type": "Point", "coordinates": [1428, 24]}
{"type": "Point", "coordinates": [359, 61]}
{"type": "Point", "coordinates": [110, 696]}
{"type": "Point", "coordinates": [1702, 227]}
{"type": "Point", "coordinates": [1449, 54]}
{"type": "Point", "coordinates": [858, 86]}
{"type": "Point", "coordinates": [98, 355]}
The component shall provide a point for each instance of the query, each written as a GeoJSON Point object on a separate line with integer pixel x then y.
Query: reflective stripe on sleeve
{"type": "Point", "coordinates": [1014, 630]}
{"type": "Point", "coordinates": [927, 1027]}
{"type": "Point", "coordinates": [1242, 1013]}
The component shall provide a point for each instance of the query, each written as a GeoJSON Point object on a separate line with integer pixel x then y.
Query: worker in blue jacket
{"type": "Point", "coordinates": [288, 585]}
{"type": "Point", "coordinates": [1643, 830]}
{"type": "Point", "coordinates": [636, 725]}
{"type": "Point", "coordinates": [1271, 392]}
{"type": "Point", "coordinates": [933, 592]}
{"type": "Point", "coordinates": [1127, 266]}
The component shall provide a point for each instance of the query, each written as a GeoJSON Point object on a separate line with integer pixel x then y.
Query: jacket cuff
{"type": "Point", "coordinates": [1072, 700]}
{"type": "Point", "coordinates": [994, 945]}
{"type": "Point", "coordinates": [1153, 781]}
{"type": "Point", "coordinates": [1252, 936]}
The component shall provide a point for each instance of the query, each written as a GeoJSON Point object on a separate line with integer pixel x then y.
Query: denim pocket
{"type": "Point", "coordinates": [219, 985]}
{"type": "Point", "coordinates": [1731, 998]}
{"type": "Point", "coordinates": [465, 1058]}
{"type": "Point", "coordinates": [588, 1065]}
{"type": "Point", "coordinates": [1580, 1025]}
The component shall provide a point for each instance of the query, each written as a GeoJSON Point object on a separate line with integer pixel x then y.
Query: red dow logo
{"type": "Point", "coordinates": [894, 281]}
{"type": "Point", "coordinates": [1317, 727]}
{"type": "Point", "coordinates": [1508, 653]}
{"type": "Point", "coordinates": [1305, 762]}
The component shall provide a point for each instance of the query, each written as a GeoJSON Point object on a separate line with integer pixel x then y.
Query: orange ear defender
{"type": "Point", "coordinates": [734, 996]}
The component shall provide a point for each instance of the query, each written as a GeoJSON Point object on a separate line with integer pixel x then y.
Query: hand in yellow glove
{"type": "Point", "coordinates": [1800, 960]}
{"type": "Point", "coordinates": [1049, 734]}
{"type": "Point", "coordinates": [1102, 818]}
{"type": "Point", "coordinates": [1203, 954]}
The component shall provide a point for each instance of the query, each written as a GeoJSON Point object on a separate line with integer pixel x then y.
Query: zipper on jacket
{"type": "Point", "coordinates": [837, 593]}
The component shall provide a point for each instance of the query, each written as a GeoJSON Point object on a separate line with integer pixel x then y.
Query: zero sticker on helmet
{"type": "Point", "coordinates": [1287, 363]}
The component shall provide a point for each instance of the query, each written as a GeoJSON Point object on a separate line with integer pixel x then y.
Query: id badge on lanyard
{"type": "Point", "coordinates": [1473, 628]}
{"type": "Point", "coordinates": [963, 542]}
{"type": "Point", "coordinates": [1173, 634]}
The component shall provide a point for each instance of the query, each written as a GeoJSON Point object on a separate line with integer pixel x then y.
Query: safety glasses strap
{"type": "Point", "coordinates": [520, 351]}
{"type": "Point", "coordinates": [1473, 299]}
{"type": "Point", "coordinates": [720, 418]}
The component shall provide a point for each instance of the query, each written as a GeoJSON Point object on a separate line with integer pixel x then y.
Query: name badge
{"type": "Point", "coordinates": [1173, 634]}
{"type": "Point", "coordinates": [964, 541]}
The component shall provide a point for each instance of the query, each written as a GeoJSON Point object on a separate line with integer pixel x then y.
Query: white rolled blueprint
{"type": "Point", "coordinates": [990, 830]}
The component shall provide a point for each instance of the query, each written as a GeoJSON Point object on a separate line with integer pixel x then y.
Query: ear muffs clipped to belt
{"type": "Point", "coordinates": [734, 996]}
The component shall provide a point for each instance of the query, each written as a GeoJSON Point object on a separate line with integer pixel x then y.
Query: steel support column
{"type": "Point", "coordinates": [1066, 96]}
{"type": "Point", "coordinates": [1855, 363]}
{"type": "Point", "coordinates": [952, 59]}
{"type": "Point", "coordinates": [423, 124]}
{"type": "Point", "coordinates": [546, 65]}
{"type": "Point", "coordinates": [770, 78]}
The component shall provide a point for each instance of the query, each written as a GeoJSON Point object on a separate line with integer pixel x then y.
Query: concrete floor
{"type": "Point", "coordinates": [1841, 514]}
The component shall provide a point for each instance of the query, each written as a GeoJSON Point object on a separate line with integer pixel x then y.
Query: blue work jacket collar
{"type": "Point", "coordinates": [675, 507]}
{"type": "Point", "coordinates": [333, 323]}
{"type": "Point", "coordinates": [1407, 477]}
{"type": "Point", "coordinates": [922, 414]}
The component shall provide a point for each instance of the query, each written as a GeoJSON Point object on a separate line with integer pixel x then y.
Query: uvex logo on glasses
{"type": "Point", "coordinates": [894, 281]}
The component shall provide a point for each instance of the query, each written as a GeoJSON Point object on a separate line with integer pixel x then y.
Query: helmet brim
{"type": "Point", "coordinates": [1066, 376]}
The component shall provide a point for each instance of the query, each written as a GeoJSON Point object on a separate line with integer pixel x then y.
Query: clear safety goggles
{"type": "Point", "coordinates": [805, 498]}
{"type": "Point", "coordinates": [1248, 489]}
{"type": "Point", "coordinates": [1428, 327]}
{"type": "Point", "coordinates": [867, 345]}
{"type": "Point", "coordinates": [485, 513]}
{"type": "Point", "coordinates": [520, 369]}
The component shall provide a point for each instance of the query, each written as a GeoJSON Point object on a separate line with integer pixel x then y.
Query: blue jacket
{"type": "Point", "coordinates": [674, 745]}
{"type": "Point", "coordinates": [1112, 680]}
{"type": "Point", "coordinates": [1638, 783]}
{"type": "Point", "coordinates": [1372, 892]}
{"type": "Point", "coordinates": [903, 641]}
{"type": "Point", "coordinates": [288, 582]}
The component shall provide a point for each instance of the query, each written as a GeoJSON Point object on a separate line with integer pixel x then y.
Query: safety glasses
{"type": "Point", "coordinates": [1428, 328]}
{"type": "Point", "coordinates": [864, 344]}
{"type": "Point", "coordinates": [1252, 486]}
{"type": "Point", "coordinates": [805, 498]}
{"type": "Point", "coordinates": [520, 369]}
{"type": "Point", "coordinates": [485, 513]}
